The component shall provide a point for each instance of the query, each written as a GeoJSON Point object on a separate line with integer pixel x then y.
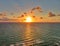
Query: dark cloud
{"type": "Point", "coordinates": [41, 17]}
{"type": "Point", "coordinates": [33, 16]}
{"type": "Point", "coordinates": [50, 14]}
{"type": "Point", "coordinates": [3, 16]}
{"type": "Point", "coordinates": [2, 13]}
{"type": "Point", "coordinates": [25, 13]}
{"type": "Point", "coordinates": [22, 15]}
{"type": "Point", "coordinates": [58, 14]}
{"type": "Point", "coordinates": [36, 8]}
{"type": "Point", "coordinates": [33, 9]}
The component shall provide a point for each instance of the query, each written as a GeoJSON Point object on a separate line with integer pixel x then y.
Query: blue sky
{"type": "Point", "coordinates": [24, 5]}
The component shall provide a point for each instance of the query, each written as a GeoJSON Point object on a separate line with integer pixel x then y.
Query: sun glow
{"type": "Point", "coordinates": [28, 19]}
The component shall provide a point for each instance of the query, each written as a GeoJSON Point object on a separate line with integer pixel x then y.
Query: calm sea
{"type": "Point", "coordinates": [28, 34]}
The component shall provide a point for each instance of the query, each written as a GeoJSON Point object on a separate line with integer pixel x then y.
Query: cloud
{"type": "Point", "coordinates": [50, 14]}
{"type": "Point", "coordinates": [41, 17]}
{"type": "Point", "coordinates": [33, 16]}
{"type": "Point", "coordinates": [58, 14]}
{"type": "Point", "coordinates": [36, 8]}
{"type": "Point", "coordinates": [2, 15]}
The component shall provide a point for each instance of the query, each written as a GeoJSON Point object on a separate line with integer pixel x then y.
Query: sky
{"type": "Point", "coordinates": [19, 6]}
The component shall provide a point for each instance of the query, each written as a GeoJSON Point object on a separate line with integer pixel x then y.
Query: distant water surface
{"type": "Point", "coordinates": [28, 33]}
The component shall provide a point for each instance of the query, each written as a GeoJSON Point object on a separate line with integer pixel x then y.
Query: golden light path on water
{"type": "Point", "coordinates": [28, 36]}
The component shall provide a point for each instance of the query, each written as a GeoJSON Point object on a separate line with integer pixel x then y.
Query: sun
{"type": "Point", "coordinates": [29, 19]}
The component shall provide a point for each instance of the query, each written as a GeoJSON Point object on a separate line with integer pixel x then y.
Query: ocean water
{"type": "Point", "coordinates": [29, 34]}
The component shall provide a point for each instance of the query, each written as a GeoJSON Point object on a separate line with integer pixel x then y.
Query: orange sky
{"type": "Point", "coordinates": [35, 13]}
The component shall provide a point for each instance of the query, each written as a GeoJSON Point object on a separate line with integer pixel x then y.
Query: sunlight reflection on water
{"type": "Point", "coordinates": [28, 36]}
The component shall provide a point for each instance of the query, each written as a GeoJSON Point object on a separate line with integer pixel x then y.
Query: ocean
{"type": "Point", "coordinates": [29, 34]}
